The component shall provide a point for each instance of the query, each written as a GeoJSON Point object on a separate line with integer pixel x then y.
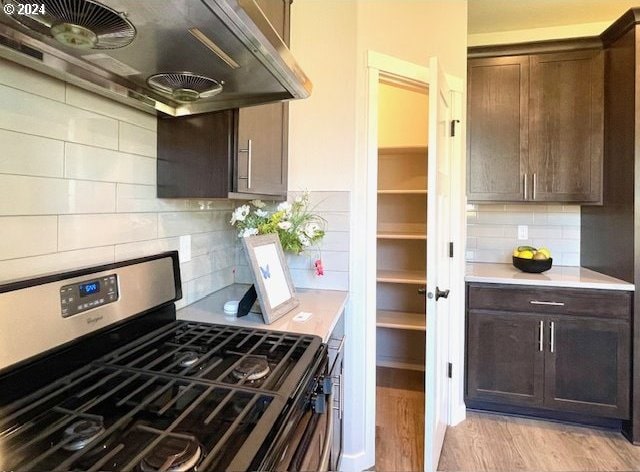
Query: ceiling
{"type": "Point", "coordinates": [488, 16]}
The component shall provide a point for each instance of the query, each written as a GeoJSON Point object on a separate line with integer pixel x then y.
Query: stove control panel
{"type": "Point", "coordinates": [88, 294]}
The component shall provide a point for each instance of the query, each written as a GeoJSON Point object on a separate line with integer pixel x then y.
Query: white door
{"type": "Point", "coordinates": [438, 266]}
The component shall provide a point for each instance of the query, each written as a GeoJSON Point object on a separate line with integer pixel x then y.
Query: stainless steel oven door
{"type": "Point", "coordinates": [310, 443]}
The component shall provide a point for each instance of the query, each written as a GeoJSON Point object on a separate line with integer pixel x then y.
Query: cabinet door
{"type": "Point", "coordinates": [195, 154]}
{"type": "Point", "coordinates": [498, 101]}
{"type": "Point", "coordinates": [261, 167]}
{"type": "Point", "coordinates": [587, 366]}
{"type": "Point", "coordinates": [262, 149]}
{"type": "Point", "coordinates": [566, 126]}
{"type": "Point", "coordinates": [505, 358]}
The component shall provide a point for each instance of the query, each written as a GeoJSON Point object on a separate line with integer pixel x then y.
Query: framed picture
{"type": "Point", "coordinates": [274, 288]}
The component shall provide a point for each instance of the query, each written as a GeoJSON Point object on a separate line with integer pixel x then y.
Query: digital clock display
{"type": "Point", "coordinates": [89, 288]}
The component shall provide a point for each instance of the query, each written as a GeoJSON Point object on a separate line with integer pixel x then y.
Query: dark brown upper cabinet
{"type": "Point", "coordinates": [498, 107]}
{"type": "Point", "coordinates": [535, 127]}
{"type": "Point", "coordinates": [239, 153]}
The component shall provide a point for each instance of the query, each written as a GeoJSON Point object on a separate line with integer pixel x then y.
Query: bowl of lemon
{"type": "Point", "coordinates": [532, 260]}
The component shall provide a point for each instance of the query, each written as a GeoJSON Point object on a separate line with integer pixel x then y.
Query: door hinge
{"type": "Point", "coordinates": [453, 127]}
{"type": "Point", "coordinates": [451, 249]}
{"type": "Point", "coordinates": [450, 370]}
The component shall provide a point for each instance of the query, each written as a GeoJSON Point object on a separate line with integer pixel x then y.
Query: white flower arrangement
{"type": "Point", "coordinates": [294, 223]}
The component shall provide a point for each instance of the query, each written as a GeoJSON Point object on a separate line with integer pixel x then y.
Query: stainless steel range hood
{"type": "Point", "coordinates": [218, 54]}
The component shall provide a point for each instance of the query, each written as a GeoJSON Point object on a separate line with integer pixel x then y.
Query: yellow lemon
{"type": "Point", "coordinates": [545, 251]}
{"type": "Point", "coordinates": [526, 255]}
{"type": "Point", "coordinates": [516, 253]}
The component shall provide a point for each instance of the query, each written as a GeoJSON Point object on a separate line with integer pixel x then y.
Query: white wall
{"type": "Point", "coordinates": [328, 140]}
{"type": "Point", "coordinates": [78, 188]}
{"type": "Point", "coordinates": [403, 117]}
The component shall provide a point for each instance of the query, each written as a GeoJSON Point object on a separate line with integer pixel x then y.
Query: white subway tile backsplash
{"type": "Point", "coordinates": [202, 243]}
{"type": "Point", "coordinates": [563, 219]}
{"type": "Point", "coordinates": [27, 267]}
{"type": "Point", "coordinates": [84, 231]}
{"type": "Point", "coordinates": [545, 232]}
{"type": "Point", "coordinates": [325, 201]}
{"type": "Point", "coordinates": [20, 195]}
{"type": "Point", "coordinates": [24, 236]}
{"type": "Point", "coordinates": [206, 205]}
{"type": "Point", "coordinates": [85, 100]}
{"type": "Point", "coordinates": [336, 221]}
{"type": "Point", "coordinates": [197, 267]}
{"type": "Point", "coordinates": [334, 261]}
{"type": "Point", "coordinates": [142, 198]}
{"type": "Point", "coordinates": [145, 248]}
{"type": "Point", "coordinates": [30, 155]}
{"type": "Point", "coordinates": [68, 158]}
{"type": "Point", "coordinates": [571, 232]}
{"type": "Point", "coordinates": [27, 113]}
{"type": "Point", "coordinates": [23, 78]}
{"type": "Point", "coordinates": [500, 218]}
{"type": "Point", "coordinates": [329, 281]}
{"type": "Point", "coordinates": [177, 224]}
{"type": "Point", "coordinates": [137, 140]}
{"type": "Point", "coordinates": [336, 241]}
{"type": "Point", "coordinates": [91, 163]}
{"type": "Point", "coordinates": [493, 231]}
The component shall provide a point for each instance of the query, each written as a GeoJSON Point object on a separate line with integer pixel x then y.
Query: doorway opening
{"type": "Point", "coordinates": [401, 248]}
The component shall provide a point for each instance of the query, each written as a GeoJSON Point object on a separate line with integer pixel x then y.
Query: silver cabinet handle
{"type": "Point", "coordinates": [534, 185]}
{"type": "Point", "coordinates": [552, 330]}
{"type": "Point", "coordinates": [526, 196]}
{"type": "Point", "coordinates": [337, 404]}
{"type": "Point", "coordinates": [541, 337]}
{"type": "Point", "coordinates": [248, 151]}
{"type": "Point", "coordinates": [536, 302]}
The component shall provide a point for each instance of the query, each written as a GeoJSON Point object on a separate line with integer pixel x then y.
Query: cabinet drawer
{"type": "Point", "coordinates": [533, 299]}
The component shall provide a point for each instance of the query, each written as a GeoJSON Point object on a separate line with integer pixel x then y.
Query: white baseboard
{"type": "Point", "coordinates": [458, 414]}
{"type": "Point", "coordinates": [356, 462]}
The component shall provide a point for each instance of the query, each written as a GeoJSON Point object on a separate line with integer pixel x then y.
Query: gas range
{"type": "Point", "coordinates": [149, 393]}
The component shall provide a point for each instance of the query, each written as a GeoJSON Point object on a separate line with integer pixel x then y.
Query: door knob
{"type": "Point", "coordinates": [441, 293]}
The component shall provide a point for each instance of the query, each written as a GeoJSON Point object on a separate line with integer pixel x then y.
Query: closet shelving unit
{"type": "Point", "coordinates": [401, 256]}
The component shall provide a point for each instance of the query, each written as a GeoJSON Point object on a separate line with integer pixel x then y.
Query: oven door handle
{"type": "Point", "coordinates": [324, 458]}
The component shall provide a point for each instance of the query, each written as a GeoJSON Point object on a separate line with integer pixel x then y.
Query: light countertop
{"type": "Point", "coordinates": [326, 306]}
{"type": "Point", "coordinates": [557, 276]}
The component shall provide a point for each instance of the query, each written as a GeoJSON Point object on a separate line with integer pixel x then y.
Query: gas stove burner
{"type": "Point", "coordinates": [83, 432]}
{"type": "Point", "coordinates": [187, 358]}
{"type": "Point", "coordinates": [174, 453]}
{"type": "Point", "coordinates": [251, 368]}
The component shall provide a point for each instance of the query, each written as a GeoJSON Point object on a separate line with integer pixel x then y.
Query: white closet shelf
{"type": "Point", "coordinates": [402, 276]}
{"type": "Point", "coordinates": [401, 320]}
{"type": "Point", "coordinates": [399, 365]}
{"type": "Point", "coordinates": [401, 235]}
{"type": "Point", "coordinates": [402, 192]}
{"type": "Point", "coordinates": [403, 150]}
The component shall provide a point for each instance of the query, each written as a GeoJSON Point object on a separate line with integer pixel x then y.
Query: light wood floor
{"type": "Point", "coordinates": [487, 442]}
{"type": "Point", "coordinates": [399, 420]}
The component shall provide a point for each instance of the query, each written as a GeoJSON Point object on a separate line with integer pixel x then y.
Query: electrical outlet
{"type": "Point", "coordinates": [523, 232]}
{"type": "Point", "coordinates": [185, 248]}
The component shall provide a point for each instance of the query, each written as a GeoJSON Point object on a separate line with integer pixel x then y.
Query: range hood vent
{"type": "Point", "coordinates": [135, 51]}
{"type": "Point", "coordinates": [185, 87]}
{"type": "Point", "coordinates": [83, 24]}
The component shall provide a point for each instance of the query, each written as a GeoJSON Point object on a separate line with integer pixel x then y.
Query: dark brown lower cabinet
{"type": "Point", "coordinates": [505, 364]}
{"type": "Point", "coordinates": [555, 362]}
{"type": "Point", "coordinates": [587, 366]}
